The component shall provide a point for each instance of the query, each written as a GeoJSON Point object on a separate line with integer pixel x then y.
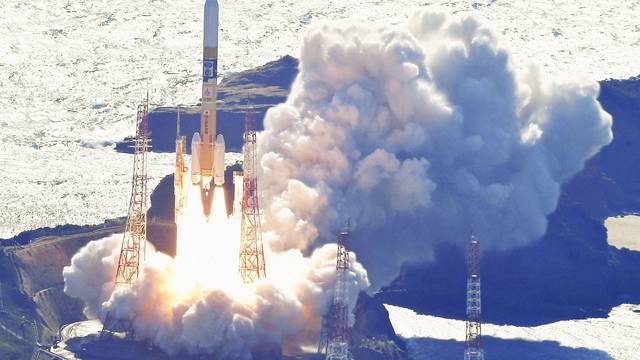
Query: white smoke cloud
{"type": "Point", "coordinates": [92, 273]}
{"type": "Point", "coordinates": [417, 134]}
{"type": "Point", "coordinates": [284, 309]}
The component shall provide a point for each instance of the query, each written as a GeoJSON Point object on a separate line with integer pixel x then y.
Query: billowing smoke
{"type": "Point", "coordinates": [420, 135]}
{"type": "Point", "coordinates": [284, 309]}
{"type": "Point", "coordinates": [417, 135]}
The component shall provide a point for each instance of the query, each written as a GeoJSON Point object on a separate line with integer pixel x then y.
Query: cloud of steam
{"type": "Point", "coordinates": [284, 309]}
{"type": "Point", "coordinates": [419, 134]}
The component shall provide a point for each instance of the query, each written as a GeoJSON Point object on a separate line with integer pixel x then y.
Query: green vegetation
{"type": "Point", "coordinates": [17, 313]}
{"type": "Point", "coordinates": [12, 348]}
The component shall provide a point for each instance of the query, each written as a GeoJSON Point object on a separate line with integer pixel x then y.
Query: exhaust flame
{"type": "Point", "coordinates": [207, 246]}
{"type": "Point", "coordinates": [197, 302]}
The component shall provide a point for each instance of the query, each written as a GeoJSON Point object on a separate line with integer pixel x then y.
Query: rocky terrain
{"type": "Point", "coordinates": [35, 306]}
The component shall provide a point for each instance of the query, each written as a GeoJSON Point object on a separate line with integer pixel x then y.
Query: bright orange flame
{"type": "Point", "coordinates": [207, 248]}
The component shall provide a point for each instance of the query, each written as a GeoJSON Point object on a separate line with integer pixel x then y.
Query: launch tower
{"type": "Point", "coordinates": [252, 265]}
{"type": "Point", "coordinates": [473, 343]}
{"type": "Point", "coordinates": [132, 251]}
{"type": "Point", "coordinates": [180, 175]}
{"type": "Point", "coordinates": [335, 337]}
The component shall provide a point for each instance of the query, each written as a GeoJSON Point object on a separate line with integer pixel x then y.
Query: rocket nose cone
{"type": "Point", "coordinates": [211, 24]}
{"type": "Point", "coordinates": [196, 138]}
{"type": "Point", "coordinates": [211, 3]}
{"type": "Point", "coordinates": [219, 139]}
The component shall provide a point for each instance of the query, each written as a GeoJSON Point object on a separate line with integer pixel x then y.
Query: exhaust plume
{"type": "Point", "coordinates": [419, 134]}
{"type": "Point", "coordinates": [284, 309]}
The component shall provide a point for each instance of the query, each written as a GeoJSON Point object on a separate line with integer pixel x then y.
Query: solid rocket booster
{"type": "Point", "coordinates": [218, 159]}
{"type": "Point", "coordinates": [196, 173]}
{"type": "Point", "coordinates": [209, 92]}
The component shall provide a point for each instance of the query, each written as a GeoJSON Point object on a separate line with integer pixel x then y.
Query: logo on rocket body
{"type": "Point", "coordinates": [210, 69]}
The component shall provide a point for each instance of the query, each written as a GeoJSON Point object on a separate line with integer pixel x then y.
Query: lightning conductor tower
{"type": "Point", "coordinates": [251, 265]}
{"type": "Point", "coordinates": [337, 347]}
{"type": "Point", "coordinates": [133, 248]}
{"type": "Point", "coordinates": [473, 341]}
{"type": "Point", "coordinates": [180, 175]}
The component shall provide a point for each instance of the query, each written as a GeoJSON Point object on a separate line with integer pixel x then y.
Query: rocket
{"type": "Point", "coordinates": [207, 149]}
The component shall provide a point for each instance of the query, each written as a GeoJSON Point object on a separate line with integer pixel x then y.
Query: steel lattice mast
{"type": "Point", "coordinates": [252, 265]}
{"type": "Point", "coordinates": [473, 343]}
{"type": "Point", "coordinates": [133, 248]}
{"type": "Point", "coordinates": [180, 175]}
{"type": "Point", "coordinates": [336, 326]}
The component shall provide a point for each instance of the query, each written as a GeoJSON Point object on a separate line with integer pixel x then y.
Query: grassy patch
{"type": "Point", "coordinates": [12, 348]}
{"type": "Point", "coordinates": [17, 312]}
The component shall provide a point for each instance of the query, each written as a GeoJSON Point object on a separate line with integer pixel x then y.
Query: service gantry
{"type": "Point", "coordinates": [252, 264]}
{"type": "Point", "coordinates": [473, 341]}
{"type": "Point", "coordinates": [334, 337]}
{"type": "Point", "coordinates": [180, 175]}
{"type": "Point", "coordinates": [134, 241]}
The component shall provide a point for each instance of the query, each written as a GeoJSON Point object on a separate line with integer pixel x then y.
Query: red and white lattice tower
{"type": "Point", "coordinates": [252, 265]}
{"type": "Point", "coordinates": [132, 251]}
{"type": "Point", "coordinates": [473, 342]}
{"type": "Point", "coordinates": [335, 337]}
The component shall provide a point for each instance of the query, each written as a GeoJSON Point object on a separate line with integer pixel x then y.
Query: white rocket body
{"type": "Point", "coordinates": [206, 148]}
